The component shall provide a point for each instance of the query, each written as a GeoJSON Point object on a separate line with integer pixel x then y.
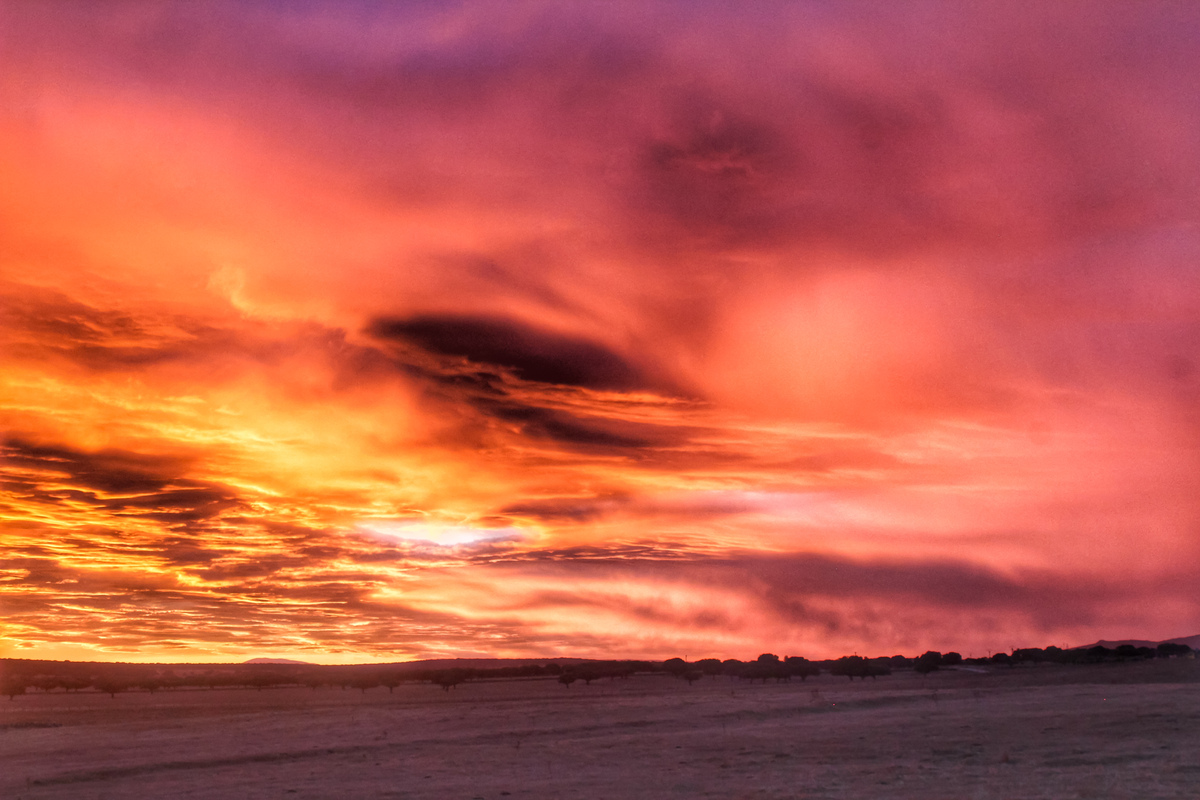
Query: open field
{"type": "Point", "coordinates": [1103, 731]}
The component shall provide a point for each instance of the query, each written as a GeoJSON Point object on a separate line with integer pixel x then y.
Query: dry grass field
{"type": "Point", "coordinates": [1102, 731]}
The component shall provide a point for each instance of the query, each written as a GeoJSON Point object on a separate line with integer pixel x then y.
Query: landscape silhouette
{"type": "Point", "coordinates": [1049, 722]}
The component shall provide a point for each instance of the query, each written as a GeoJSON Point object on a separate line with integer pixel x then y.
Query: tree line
{"type": "Point", "coordinates": [19, 676]}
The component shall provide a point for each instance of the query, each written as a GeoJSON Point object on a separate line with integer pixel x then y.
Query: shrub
{"type": "Point", "coordinates": [448, 679]}
{"type": "Point", "coordinates": [12, 686]}
{"type": "Point", "coordinates": [928, 662]}
{"type": "Point", "coordinates": [800, 667]}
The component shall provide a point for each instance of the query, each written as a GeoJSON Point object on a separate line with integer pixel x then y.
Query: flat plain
{"type": "Point", "coordinates": [1043, 731]}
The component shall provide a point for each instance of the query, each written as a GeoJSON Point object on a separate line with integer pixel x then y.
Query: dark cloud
{"type": "Point", "coordinates": [186, 552]}
{"type": "Point", "coordinates": [971, 137]}
{"type": "Point", "coordinates": [476, 359]}
{"type": "Point", "coordinates": [949, 583]}
{"type": "Point", "coordinates": [950, 126]}
{"type": "Point", "coordinates": [706, 506]}
{"type": "Point", "coordinates": [796, 586]}
{"type": "Point", "coordinates": [637, 555]}
{"type": "Point", "coordinates": [1050, 599]}
{"type": "Point", "coordinates": [54, 317]}
{"type": "Point", "coordinates": [207, 500]}
{"type": "Point", "coordinates": [577, 432]}
{"type": "Point", "coordinates": [132, 484]}
{"type": "Point", "coordinates": [710, 619]}
{"type": "Point", "coordinates": [262, 566]}
{"type": "Point", "coordinates": [565, 509]}
{"type": "Point", "coordinates": [116, 471]}
{"type": "Point", "coordinates": [714, 176]}
{"type": "Point", "coordinates": [529, 352]}
{"type": "Point", "coordinates": [41, 324]}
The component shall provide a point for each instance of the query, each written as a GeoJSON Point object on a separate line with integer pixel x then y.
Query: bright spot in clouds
{"type": "Point", "coordinates": [442, 535]}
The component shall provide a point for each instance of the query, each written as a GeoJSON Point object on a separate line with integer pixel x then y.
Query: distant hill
{"type": "Point", "coordinates": [1191, 641]}
{"type": "Point", "coordinates": [277, 661]}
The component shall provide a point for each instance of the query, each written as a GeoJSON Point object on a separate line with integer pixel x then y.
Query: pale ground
{"type": "Point", "coordinates": [1048, 732]}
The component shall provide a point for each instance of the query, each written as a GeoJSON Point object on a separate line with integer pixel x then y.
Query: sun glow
{"type": "Point", "coordinates": [440, 534]}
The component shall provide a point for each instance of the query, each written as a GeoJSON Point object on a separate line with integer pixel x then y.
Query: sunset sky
{"type": "Point", "coordinates": [375, 331]}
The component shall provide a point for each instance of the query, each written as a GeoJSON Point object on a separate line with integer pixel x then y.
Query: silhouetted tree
{"type": "Point", "coordinates": [692, 675]}
{"type": "Point", "coordinates": [624, 670]}
{"type": "Point", "coordinates": [1033, 654]}
{"type": "Point", "coordinates": [448, 679]}
{"type": "Point", "coordinates": [46, 683]}
{"type": "Point", "coordinates": [589, 674]}
{"type": "Point", "coordinates": [879, 666]}
{"type": "Point", "coordinates": [567, 678]}
{"type": "Point", "coordinates": [151, 685]}
{"type": "Point", "coordinates": [12, 686]}
{"type": "Point", "coordinates": [111, 686]}
{"type": "Point", "coordinates": [928, 661]}
{"type": "Point", "coordinates": [762, 671]}
{"type": "Point", "coordinates": [1126, 652]}
{"type": "Point", "coordinates": [364, 682]}
{"type": "Point", "coordinates": [264, 680]}
{"type": "Point", "coordinates": [850, 666]}
{"type": "Point", "coordinates": [800, 667]}
{"type": "Point", "coordinates": [858, 667]}
{"type": "Point", "coordinates": [1171, 649]}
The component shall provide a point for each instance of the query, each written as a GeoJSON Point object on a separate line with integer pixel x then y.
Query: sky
{"type": "Point", "coordinates": [358, 332]}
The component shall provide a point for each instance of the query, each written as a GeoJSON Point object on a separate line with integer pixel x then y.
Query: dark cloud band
{"type": "Point", "coordinates": [529, 352]}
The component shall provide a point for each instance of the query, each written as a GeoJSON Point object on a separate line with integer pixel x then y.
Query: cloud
{"type": "Point", "coordinates": [573, 431]}
{"type": "Point", "coordinates": [811, 603]}
{"type": "Point", "coordinates": [126, 484]}
{"type": "Point", "coordinates": [566, 509]}
{"type": "Point", "coordinates": [116, 471]}
{"type": "Point", "coordinates": [530, 353]}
